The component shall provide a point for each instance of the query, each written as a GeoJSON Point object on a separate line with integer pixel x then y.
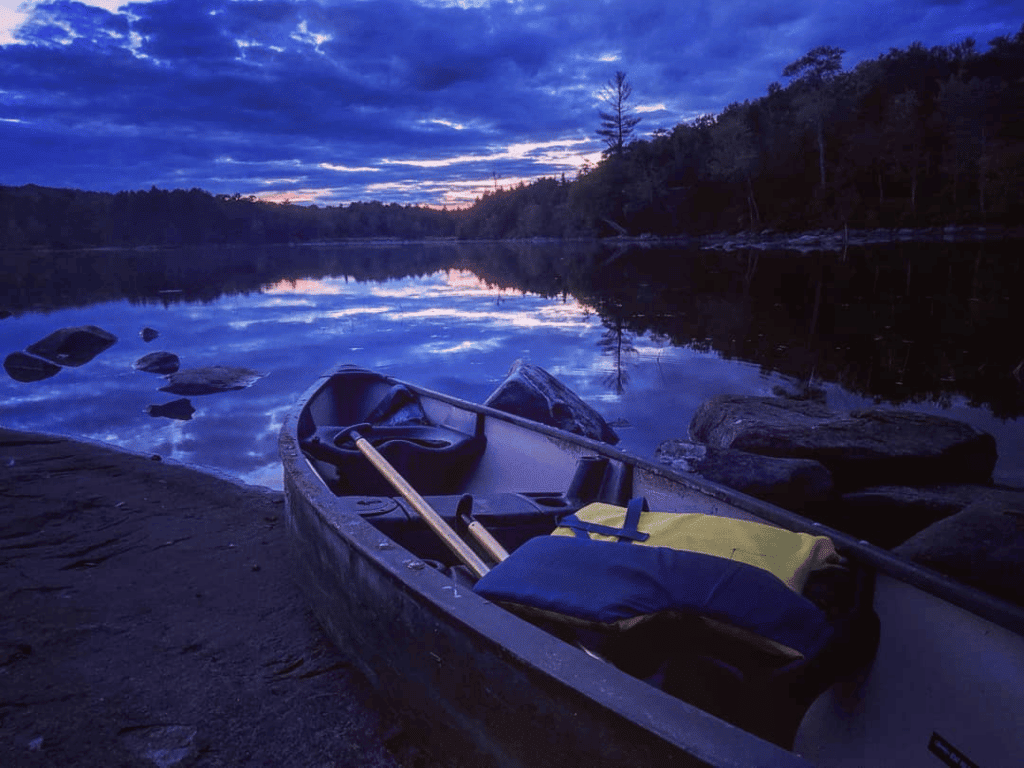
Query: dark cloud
{"type": "Point", "coordinates": [353, 99]}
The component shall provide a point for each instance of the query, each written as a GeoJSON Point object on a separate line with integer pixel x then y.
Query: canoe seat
{"type": "Point", "coordinates": [433, 459]}
{"type": "Point", "coordinates": [746, 644]}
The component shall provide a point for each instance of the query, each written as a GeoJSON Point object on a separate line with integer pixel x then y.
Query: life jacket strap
{"type": "Point", "coordinates": [628, 532]}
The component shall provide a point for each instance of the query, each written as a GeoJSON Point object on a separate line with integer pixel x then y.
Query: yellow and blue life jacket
{"type": "Point", "coordinates": [740, 573]}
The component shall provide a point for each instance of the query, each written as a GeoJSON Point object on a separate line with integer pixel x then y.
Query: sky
{"type": "Point", "coordinates": [426, 102]}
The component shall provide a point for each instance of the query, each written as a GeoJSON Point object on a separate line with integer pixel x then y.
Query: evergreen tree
{"type": "Point", "coordinates": [618, 122]}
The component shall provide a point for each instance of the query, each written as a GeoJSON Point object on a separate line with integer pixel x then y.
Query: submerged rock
{"type": "Point", "coordinates": [210, 380]}
{"type": "Point", "coordinates": [158, 362]}
{"type": "Point", "coordinates": [791, 483]}
{"type": "Point", "coordinates": [180, 409]}
{"type": "Point", "coordinates": [73, 346]}
{"type": "Point", "coordinates": [533, 393]}
{"type": "Point", "coordinates": [24, 367]}
{"type": "Point", "coordinates": [862, 448]}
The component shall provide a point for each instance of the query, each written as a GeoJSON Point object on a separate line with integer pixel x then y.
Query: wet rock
{"type": "Point", "coordinates": [23, 367]}
{"type": "Point", "coordinates": [161, 745]}
{"type": "Point", "coordinates": [533, 393]}
{"type": "Point", "coordinates": [73, 346]}
{"type": "Point", "coordinates": [862, 448]}
{"type": "Point", "coordinates": [180, 409]}
{"type": "Point", "coordinates": [158, 362]}
{"type": "Point", "coordinates": [796, 484]}
{"type": "Point", "coordinates": [982, 546]}
{"type": "Point", "coordinates": [148, 334]}
{"type": "Point", "coordinates": [210, 380]}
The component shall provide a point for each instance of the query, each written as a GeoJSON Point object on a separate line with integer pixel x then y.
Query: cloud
{"type": "Point", "coordinates": [408, 100]}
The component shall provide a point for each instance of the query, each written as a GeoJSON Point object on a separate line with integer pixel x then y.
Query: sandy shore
{"type": "Point", "coordinates": [149, 619]}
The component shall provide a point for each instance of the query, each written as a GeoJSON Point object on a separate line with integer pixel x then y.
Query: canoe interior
{"type": "Point", "coordinates": [922, 693]}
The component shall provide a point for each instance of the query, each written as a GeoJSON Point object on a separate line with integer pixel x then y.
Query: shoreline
{"type": "Point", "coordinates": [804, 240]}
{"type": "Point", "coordinates": [151, 619]}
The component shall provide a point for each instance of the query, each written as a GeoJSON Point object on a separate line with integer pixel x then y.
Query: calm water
{"type": "Point", "coordinates": [644, 338]}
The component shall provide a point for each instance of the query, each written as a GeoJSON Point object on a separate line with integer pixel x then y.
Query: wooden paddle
{"type": "Point", "coordinates": [423, 509]}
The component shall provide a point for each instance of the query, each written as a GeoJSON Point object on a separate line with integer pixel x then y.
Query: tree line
{"type": "Point", "coordinates": [33, 216]}
{"type": "Point", "coordinates": [913, 138]}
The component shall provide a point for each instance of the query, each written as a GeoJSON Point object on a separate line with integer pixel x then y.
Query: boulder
{"type": "Point", "coordinates": [796, 484]}
{"type": "Point", "coordinates": [23, 367]}
{"type": "Point", "coordinates": [889, 515]}
{"type": "Point", "coordinates": [180, 409]}
{"type": "Point", "coordinates": [73, 346]}
{"type": "Point", "coordinates": [862, 448]}
{"type": "Point", "coordinates": [982, 546]}
{"type": "Point", "coordinates": [148, 334]}
{"type": "Point", "coordinates": [158, 362]}
{"type": "Point", "coordinates": [210, 380]}
{"type": "Point", "coordinates": [533, 393]}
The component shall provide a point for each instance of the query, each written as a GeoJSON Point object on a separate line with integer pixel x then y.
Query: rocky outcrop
{"type": "Point", "coordinates": [73, 346]}
{"type": "Point", "coordinates": [797, 484]}
{"type": "Point", "coordinates": [861, 448]}
{"type": "Point", "coordinates": [210, 380]}
{"type": "Point", "coordinates": [533, 393]}
{"type": "Point", "coordinates": [158, 362]}
{"type": "Point", "coordinates": [982, 546]}
{"type": "Point", "coordinates": [24, 367]}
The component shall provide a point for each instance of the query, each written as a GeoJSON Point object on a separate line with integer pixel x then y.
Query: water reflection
{"type": "Point", "coordinates": [644, 335]}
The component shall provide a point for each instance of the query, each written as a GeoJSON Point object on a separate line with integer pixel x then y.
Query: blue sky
{"type": "Point", "coordinates": [409, 101]}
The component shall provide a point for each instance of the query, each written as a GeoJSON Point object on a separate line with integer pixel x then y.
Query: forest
{"type": "Point", "coordinates": [917, 137]}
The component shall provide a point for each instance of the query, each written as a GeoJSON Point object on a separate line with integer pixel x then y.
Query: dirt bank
{"type": "Point", "coordinates": [149, 619]}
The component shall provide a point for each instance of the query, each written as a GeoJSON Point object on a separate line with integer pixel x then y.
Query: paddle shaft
{"type": "Point", "coordinates": [423, 509]}
{"type": "Point", "coordinates": [488, 542]}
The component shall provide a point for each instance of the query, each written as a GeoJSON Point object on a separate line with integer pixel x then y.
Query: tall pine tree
{"type": "Point", "coordinates": [618, 122]}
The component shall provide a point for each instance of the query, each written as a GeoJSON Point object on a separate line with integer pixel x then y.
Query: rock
{"type": "Point", "coordinates": [23, 367]}
{"type": "Point", "coordinates": [721, 420]}
{"type": "Point", "coordinates": [180, 409]}
{"type": "Point", "coordinates": [862, 448]}
{"type": "Point", "coordinates": [533, 393]}
{"type": "Point", "coordinates": [210, 380]}
{"type": "Point", "coordinates": [158, 362]}
{"type": "Point", "coordinates": [889, 515]}
{"type": "Point", "coordinates": [982, 546]}
{"type": "Point", "coordinates": [73, 346]}
{"type": "Point", "coordinates": [148, 334]}
{"type": "Point", "coordinates": [162, 745]}
{"type": "Point", "coordinates": [796, 484]}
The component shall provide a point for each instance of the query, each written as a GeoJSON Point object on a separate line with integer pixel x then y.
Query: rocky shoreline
{"type": "Point", "coordinates": [916, 484]}
{"type": "Point", "coordinates": [840, 239]}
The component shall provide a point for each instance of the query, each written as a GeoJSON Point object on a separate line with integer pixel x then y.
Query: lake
{"type": "Point", "coordinates": [643, 335]}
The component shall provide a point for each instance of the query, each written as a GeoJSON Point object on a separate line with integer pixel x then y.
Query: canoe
{"type": "Point", "coordinates": [917, 669]}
